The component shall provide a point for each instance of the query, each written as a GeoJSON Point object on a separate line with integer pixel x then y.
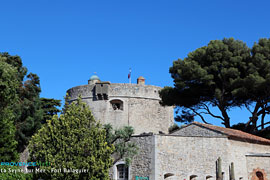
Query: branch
{"type": "Point", "coordinates": [119, 137]}
{"type": "Point", "coordinates": [254, 113]}
{"type": "Point", "coordinates": [202, 118]}
{"type": "Point", "coordinates": [248, 108]}
{"type": "Point", "coordinates": [115, 139]}
{"type": "Point", "coordinates": [262, 120]}
{"type": "Point", "coordinates": [263, 124]}
{"type": "Point", "coordinates": [210, 113]}
{"type": "Point", "coordinates": [265, 109]}
{"type": "Point", "coordinates": [116, 160]}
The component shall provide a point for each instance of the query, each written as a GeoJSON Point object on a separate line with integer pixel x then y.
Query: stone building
{"type": "Point", "coordinates": [190, 153]}
{"type": "Point", "coordinates": [136, 105]}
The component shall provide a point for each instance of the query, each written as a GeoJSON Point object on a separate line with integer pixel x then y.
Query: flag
{"type": "Point", "coordinates": [129, 74]}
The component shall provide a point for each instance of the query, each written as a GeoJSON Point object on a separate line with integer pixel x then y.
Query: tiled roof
{"type": "Point", "coordinates": [235, 134]}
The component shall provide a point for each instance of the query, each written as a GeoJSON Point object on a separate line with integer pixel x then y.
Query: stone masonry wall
{"type": "Point", "coordinates": [141, 108]}
{"type": "Point", "coordinates": [143, 163]}
{"type": "Point", "coordinates": [244, 165]}
{"type": "Point", "coordinates": [261, 164]}
{"type": "Point", "coordinates": [187, 156]}
{"type": "Point", "coordinates": [195, 130]}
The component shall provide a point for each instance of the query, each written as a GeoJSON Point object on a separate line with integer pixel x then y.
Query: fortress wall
{"type": "Point", "coordinates": [117, 90]}
{"type": "Point", "coordinates": [187, 156]}
{"type": "Point", "coordinates": [141, 108]}
{"type": "Point", "coordinates": [243, 164]}
{"type": "Point", "coordinates": [149, 116]}
{"type": "Point", "coordinates": [143, 164]}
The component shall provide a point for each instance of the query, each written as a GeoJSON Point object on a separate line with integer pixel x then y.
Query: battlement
{"type": "Point", "coordinates": [117, 90]}
{"type": "Point", "coordinates": [121, 104]}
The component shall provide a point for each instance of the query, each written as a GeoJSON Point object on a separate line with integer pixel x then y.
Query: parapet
{"type": "Point", "coordinates": [98, 91]}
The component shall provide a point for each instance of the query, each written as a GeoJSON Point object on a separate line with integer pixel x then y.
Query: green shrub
{"type": "Point", "coordinates": [72, 141]}
{"type": "Point", "coordinates": [13, 172]}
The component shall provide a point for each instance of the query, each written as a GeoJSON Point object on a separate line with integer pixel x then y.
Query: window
{"type": "Point", "coordinates": [259, 175]}
{"type": "Point", "coordinates": [167, 175]}
{"type": "Point", "coordinates": [193, 177]}
{"type": "Point", "coordinates": [122, 172]}
{"type": "Point", "coordinates": [117, 104]}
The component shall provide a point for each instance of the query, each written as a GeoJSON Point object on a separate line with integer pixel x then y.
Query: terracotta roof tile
{"type": "Point", "coordinates": [235, 134]}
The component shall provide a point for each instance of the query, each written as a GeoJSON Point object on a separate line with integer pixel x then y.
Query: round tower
{"type": "Point", "coordinates": [136, 105]}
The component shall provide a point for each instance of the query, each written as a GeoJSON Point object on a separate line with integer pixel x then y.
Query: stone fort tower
{"type": "Point", "coordinates": [136, 105]}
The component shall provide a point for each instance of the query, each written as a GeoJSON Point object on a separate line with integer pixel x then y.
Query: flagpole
{"type": "Point", "coordinates": [129, 75]}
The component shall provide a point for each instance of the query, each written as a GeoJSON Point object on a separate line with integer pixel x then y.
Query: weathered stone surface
{"type": "Point", "coordinates": [186, 156]}
{"type": "Point", "coordinates": [143, 164]}
{"type": "Point", "coordinates": [141, 108]}
{"type": "Point", "coordinates": [243, 164]}
{"type": "Point", "coordinates": [195, 130]}
{"type": "Point", "coordinates": [191, 156]}
{"type": "Point", "coordinates": [189, 152]}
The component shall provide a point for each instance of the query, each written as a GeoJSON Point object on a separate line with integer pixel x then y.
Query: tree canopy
{"type": "Point", "coordinates": [8, 86]}
{"type": "Point", "coordinates": [49, 107]}
{"type": "Point", "coordinates": [72, 141]}
{"type": "Point", "coordinates": [224, 74]}
{"type": "Point", "coordinates": [121, 140]}
{"type": "Point", "coordinates": [28, 109]}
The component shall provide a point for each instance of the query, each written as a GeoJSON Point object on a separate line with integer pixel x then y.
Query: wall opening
{"type": "Point", "coordinates": [259, 175]}
{"type": "Point", "coordinates": [122, 172]}
{"type": "Point", "coordinates": [193, 177]}
{"type": "Point", "coordinates": [168, 175]}
{"type": "Point", "coordinates": [117, 104]}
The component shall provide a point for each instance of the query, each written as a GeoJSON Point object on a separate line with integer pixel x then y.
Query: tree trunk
{"type": "Point", "coordinates": [225, 115]}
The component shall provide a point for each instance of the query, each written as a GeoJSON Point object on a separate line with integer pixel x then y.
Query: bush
{"type": "Point", "coordinates": [72, 141]}
{"type": "Point", "coordinates": [13, 172]}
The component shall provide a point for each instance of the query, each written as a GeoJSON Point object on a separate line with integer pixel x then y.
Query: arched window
{"type": "Point", "coordinates": [120, 171]}
{"type": "Point", "coordinates": [167, 175]}
{"type": "Point", "coordinates": [209, 177]}
{"type": "Point", "coordinates": [117, 104]}
{"type": "Point", "coordinates": [259, 175]}
{"type": "Point", "coordinates": [193, 177]}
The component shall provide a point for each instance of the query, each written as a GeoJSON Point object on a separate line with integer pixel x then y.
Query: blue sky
{"type": "Point", "coordinates": [65, 41]}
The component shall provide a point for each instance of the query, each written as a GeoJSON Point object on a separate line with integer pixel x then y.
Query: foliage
{"type": "Point", "coordinates": [184, 117]}
{"type": "Point", "coordinates": [29, 110]}
{"type": "Point", "coordinates": [173, 128]}
{"type": "Point", "coordinates": [224, 74]}
{"type": "Point", "coordinates": [8, 85]}
{"type": "Point", "coordinates": [72, 141]}
{"type": "Point", "coordinates": [14, 172]}
{"type": "Point", "coordinates": [8, 143]}
{"type": "Point", "coordinates": [265, 133]}
{"type": "Point", "coordinates": [257, 85]}
{"type": "Point", "coordinates": [49, 107]}
{"type": "Point", "coordinates": [241, 127]}
{"type": "Point", "coordinates": [120, 139]}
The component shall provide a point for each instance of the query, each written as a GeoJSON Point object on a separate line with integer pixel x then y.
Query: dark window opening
{"type": "Point", "coordinates": [168, 175]}
{"type": "Point", "coordinates": [259, 175]}
{"type": "Point", "coordinates": [122, 172]}
{"type": "Point", "coordinates": [117, 105]}
{"type": "Point", "coordinates": [193, 177]}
